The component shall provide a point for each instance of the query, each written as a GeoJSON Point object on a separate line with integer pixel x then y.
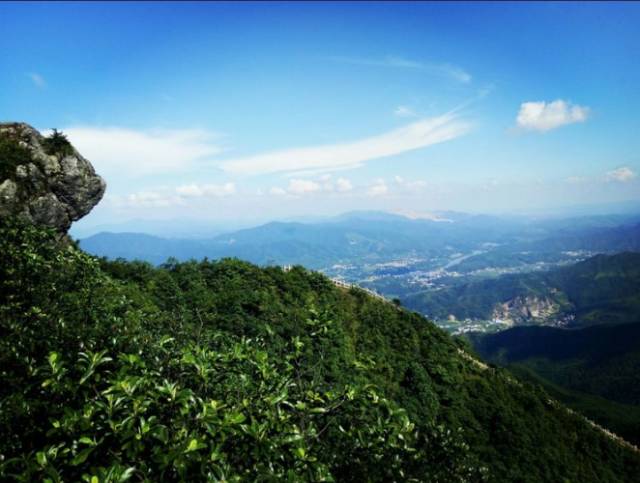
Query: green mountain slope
{"type": "Point", "coordinates": [601, 289]}
{"type": "Point", "coordinates": [596, 370]}
{"type": "Point", "coordinates": [226, 371]}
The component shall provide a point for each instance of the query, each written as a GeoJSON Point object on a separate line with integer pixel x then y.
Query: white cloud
{"type": "Point", "coordinates": [302, 186]}
{"type": "Point", "coordinates": [116, 152]}
{"type": "Point", "coordinates": [416, 135]}
{"type": "Point", "coordinates": [343, 185]}
{"type": "Point", "coordinates": [322, 184]}
{"type": "Point", "coordinates": [37, 80]}
{"type": "Point", "coordinates": [148, 199]}
{"type": "Point", "coordinates": [277, 191]}
{"type": "Point", "coordinates": [576, 179]}
{"type": "Point", "coordinates": [206, 190]}
{"type": "Point", "coordinates": [404, 111]}
{"type": "Point", "coordinates": [378, 188]}
{"type": "Point", "coordinates": [442, 69]}
{"type": "Point", "coordinates": [165, 196]}
{"type": "Point", "coordinates": [543, 116]}
{"type": "Point", "coordinates": [621, 175]}
{"type": "Point", "coordinates": [409, 185]}
{"type": "Point", "coordinates": [310, 173]}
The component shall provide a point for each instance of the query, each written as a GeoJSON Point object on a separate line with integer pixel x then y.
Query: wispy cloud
{"type": "Point", "coordinates": [146, 199]}
{"type": "Point", "coordinates": [117, 151]}
{"type": "Point", "coordinates": [404, 111]}
{"type": "Point", "coordinates": [166, 196]}
{"type": "Point", "coordinates": [303, 186]}
{"type": "Point", "coordinates": [277, 191]}
{"type": "Point", "coordinates": [544, 116]}
{"type": "Point", "coordinates": [416, 135]}
{"type": "Point", "coordinates": [621, 175]}
{"type": "Point", "coordinates": [378, 188]}
{"type": "Point", "coordinates": [321, 185]}
{"type": "Point", "coordinates": [443, 69]}
{"type": "Point", "coordinates": [37, 80]}
{"type": "Point", "coordinates": [343, 185]}
{"type": "Point", "coordinates": [410, 185]}
{"type": "Point", "coordinates": [206, 190]}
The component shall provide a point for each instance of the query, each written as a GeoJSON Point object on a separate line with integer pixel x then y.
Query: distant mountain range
{"type": "Point", "coordinates": [365, 237]}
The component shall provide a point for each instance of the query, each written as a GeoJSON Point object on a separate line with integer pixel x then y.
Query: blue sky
{"type": "Point", "coordinates": [216, 111]}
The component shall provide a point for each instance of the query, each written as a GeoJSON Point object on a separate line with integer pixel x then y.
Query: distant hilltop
{"type": "Point", "coordinates": [44, 179]}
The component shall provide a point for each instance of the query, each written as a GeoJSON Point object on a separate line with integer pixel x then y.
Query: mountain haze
{"type": "Point", "coordinates": [363, 237]}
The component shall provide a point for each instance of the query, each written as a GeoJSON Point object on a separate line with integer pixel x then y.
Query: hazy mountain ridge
{"type": "Point", "coordinates": [365, 236]}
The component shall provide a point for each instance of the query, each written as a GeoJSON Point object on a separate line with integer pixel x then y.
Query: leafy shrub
{"type": "Point", "coordinates": [97, 386]}
{"type": "Point", "coordinates": [57, 144]}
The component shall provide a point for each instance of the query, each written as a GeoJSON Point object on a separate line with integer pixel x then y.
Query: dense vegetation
{"type": "Point", "coordinates": [115, 371]}
{"type": "Point", "coordinates": [602, 289]}
{"type": "Point", "coordinates": [594, 370]}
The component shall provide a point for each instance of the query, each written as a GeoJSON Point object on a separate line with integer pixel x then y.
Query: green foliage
{"type": "Point", "coordinates": [57, 144]}
{"type": "Point", "coordinates": [98, 383]}
{"type": "Point", "coordinates": [12, 155]}
{"type": "Point", "coordinates": [226, 412]}
{"type": "Point", "coordinates": [223, 371]}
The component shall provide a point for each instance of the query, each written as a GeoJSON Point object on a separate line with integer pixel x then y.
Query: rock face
{"type": "Point", "coordinates": [529, 309]}
{"type": "Point", "coordinates": [47, 185]}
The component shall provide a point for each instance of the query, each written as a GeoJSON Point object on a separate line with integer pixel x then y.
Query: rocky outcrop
{"type": "Point", "coordinates": [528, 309]}
{"type": "Point", "coordinates": [46, 183]}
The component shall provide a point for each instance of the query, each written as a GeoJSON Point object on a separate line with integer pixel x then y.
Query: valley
{"type": "Point", "coordinates": [426, 264]}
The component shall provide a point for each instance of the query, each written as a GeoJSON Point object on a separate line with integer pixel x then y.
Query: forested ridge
{"type": "Point", "coordinates": [594, 370]}
{"type": "Point", "coordinates": [222, 370]}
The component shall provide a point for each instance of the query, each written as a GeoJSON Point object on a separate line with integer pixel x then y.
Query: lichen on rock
{"type": "Point", "coordinates": [45, 180]}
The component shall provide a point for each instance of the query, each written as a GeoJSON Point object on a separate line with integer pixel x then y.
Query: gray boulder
{"type": "Point", "coordinates": [44, 184]}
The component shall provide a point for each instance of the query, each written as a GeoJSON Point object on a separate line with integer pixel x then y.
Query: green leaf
{"type": "Point", "coordinates": [81, 457]}
{"type": "Point", "coordinates": [161, 433]}
{"type": "Point", "coordinates": [127, 474]}
{"type": "Point", "coordinates": [194, 445]}
{"type": "Point", "coordinates": [236, 418]}
{"type": "Point", "coordinates": [87, 440]}
{"type": "Point", "coordinates": [42, 458]}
